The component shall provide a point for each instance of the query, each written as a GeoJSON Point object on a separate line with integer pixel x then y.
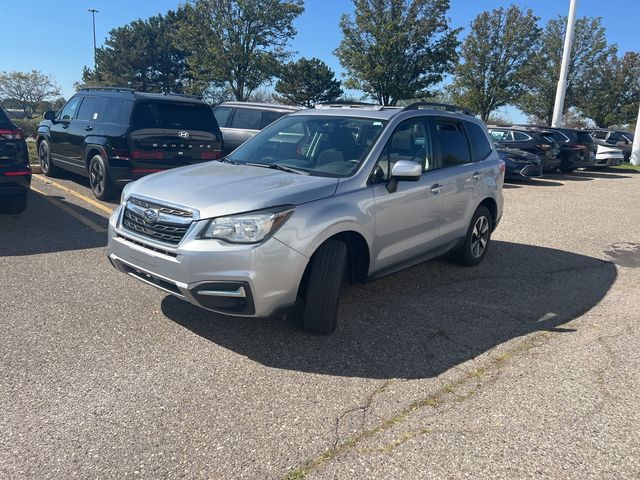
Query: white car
{"type": "Point", "coordinates": [608, 156]}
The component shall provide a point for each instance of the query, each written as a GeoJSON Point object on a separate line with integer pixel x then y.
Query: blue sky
{"type": "Point", "coordinates": [56, 36]}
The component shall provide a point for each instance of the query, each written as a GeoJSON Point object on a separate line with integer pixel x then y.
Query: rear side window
{"type": "Point", "coordinates": [584, 137]}
{"type": "Point", "coordinates": [247, 118]}
{"type": "Point", "coordinates": [600, 135]}
{"type": "Point", "coordinates": [454, 145]}
{"type": "Point", "coordinates": [222, 115]}
{"type": "Point", "coordinates": [174, 116]}
{"type": "Point", "coordinates": [479, 141]}
{"type": "Point", "coordinates": [4, 120]}
{"type": "Point", "coordinates": [270, 117]}
{"type": "Point", "coordinates": [116, 110]}
{"type": "Point", "coordinates": [89, 109]}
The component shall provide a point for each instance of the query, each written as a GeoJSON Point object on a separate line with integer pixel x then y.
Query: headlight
{"type": "Point", "coordinates": [125, 192]}
{"type": "Point", "coordinates": [252, 227]}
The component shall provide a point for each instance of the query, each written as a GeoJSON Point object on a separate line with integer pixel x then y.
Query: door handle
{"type": "Point", "coordinates": [88, 128]}
{"type": "Point", "coordinates": [435, 189]}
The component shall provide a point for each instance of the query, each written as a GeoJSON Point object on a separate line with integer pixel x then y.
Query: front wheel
{"type": "Point", "coordinates": [476, 242]}
{"type": "Point", "coordinates": [101, 185]}
{"type": "Point", "coordinates": [44, 157]}
{"type": "Point", "coordinates": [567, 169]}
{"type": "Point", "coordinates": [325, 278]}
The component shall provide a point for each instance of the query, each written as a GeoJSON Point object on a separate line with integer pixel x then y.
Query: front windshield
{"type": "Point", "coordinates": [319, 145]}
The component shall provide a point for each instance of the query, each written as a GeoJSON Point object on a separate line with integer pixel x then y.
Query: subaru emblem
{"type": "Point", "coordinates": [151, 215]}
{"type": "Point", "coordinates": [183, 134]}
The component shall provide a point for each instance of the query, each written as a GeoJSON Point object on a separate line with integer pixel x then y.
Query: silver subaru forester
{"type": "Point", "coordinates": [317, 198]}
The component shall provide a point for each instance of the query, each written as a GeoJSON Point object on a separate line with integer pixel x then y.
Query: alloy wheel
{"type": "Point", "coordinates": [480, 236]}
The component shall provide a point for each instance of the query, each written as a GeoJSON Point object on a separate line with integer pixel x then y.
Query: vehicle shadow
{"type": "Point", "coordinates": [584, 175]}
{"type": "Point", "coordinates": [423, 321]}
{"type": "Point", "coordinates": [533, 182]}
{"type": "Point", "coordinates": [47, 227]}
{"type": "Point", "coordinates": [84, 182]}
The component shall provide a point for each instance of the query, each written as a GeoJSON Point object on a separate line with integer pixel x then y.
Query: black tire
{"type": "Point", "coordinates": [44, 158]}
{"type": "Point", "coordinates": [469, 255]}
{"type": "Point", "coordinates": [549, 169]}
{"type": "Point", "coordinates": [102, 186]}
{"type": "Point", "coordinates": [567, 169]}
{"type": "Point", "coordinates": [13, 205]}
{"type": "Point", "coordinates": [325, 278]}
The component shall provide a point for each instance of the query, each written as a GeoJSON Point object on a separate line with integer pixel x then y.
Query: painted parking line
{"type": "Point", "coordinates": [82, 197]}
{"type": "Point", "coordinates": [54, 201]}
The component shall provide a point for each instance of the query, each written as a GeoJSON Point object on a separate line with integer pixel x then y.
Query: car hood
{"type": "Point", "coordinates": [217, 189]}
{"type": "Point", "coordinates": [505, 151]}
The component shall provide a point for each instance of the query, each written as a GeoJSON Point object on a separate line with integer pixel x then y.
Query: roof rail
{"type": "Point", "coordinates": [186, 95]}
{"type": "Point", "coordinates": [437, 106]}
{"type": "Point", "coordinates": [346, 104]}
{"type": "Point", "coordinates": [111, 89]}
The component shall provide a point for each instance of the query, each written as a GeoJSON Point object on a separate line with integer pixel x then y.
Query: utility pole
{"type": "Point", "coordinates": [635, 150]}
{"type": "Point", "coordinates": [564, 69]}
{"type": "Point", "coordinates": [93, 16]}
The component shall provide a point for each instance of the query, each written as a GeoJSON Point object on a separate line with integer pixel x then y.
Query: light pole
{"type": "Point", "coordinates": [93, 16]}
{"type": "Point", "coordinates": [564, 69]}
{"type": "Point", "coordinates": [635, 149]}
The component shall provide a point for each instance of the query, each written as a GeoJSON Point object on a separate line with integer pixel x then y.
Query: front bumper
{"type": "Point", "coordinates": [523, 170]}
{"type": "Point", "coordinates": [242, 280]}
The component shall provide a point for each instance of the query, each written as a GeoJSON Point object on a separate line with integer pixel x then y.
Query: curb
{"type": "Point", "coordinates": [36, 169]}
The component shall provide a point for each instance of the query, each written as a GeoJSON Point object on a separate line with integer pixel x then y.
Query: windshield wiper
{"type": "Point", "coordinates": [277, 166]}
{"type": "Point", "coordinates": [226, 160]}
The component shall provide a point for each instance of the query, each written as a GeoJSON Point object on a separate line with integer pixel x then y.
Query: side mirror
{"type": "Point", "coordinates": [406, 171]}
{"type": "Point", "coordinates": [49, 115]}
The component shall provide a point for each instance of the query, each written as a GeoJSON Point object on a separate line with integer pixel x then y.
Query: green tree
{"type": "Point", "coordinates": [306, 82]}
{"type": "Point", "coordinates": [397, 49]}
{"type": "Point", "coordinates": [238, 43]}
{"type": "Point", "coordinates": [612, 93]}
{"type": "Point", "coordinates": [142, 55]}
{"type": "Point", "coordinates": [27, 89]}
{"type": "Point", "coordinates": [495, 52]}
{"type": "Point", "coordinates": [540, 76]}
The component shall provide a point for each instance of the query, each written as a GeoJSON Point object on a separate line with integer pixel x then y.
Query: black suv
{"type": "Point", "coordinates": [15, 172]}
{"type": "Point", "coordinates": [116, 135]}
{"type": "Point", "coordinates": [577, 148]}
{"type": "Point", "coordinates": [538, 142]}
{"type": "Point", "coordinates": [240, 121]}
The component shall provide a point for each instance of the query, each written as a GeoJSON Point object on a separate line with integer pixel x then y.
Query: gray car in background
{"type": "Point", "coordinates": [239, 121]}
{"type": "Point", "coordinates": [317, 198]}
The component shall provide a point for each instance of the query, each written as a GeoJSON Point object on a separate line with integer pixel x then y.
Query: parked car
{"type": "Point", "coordinates": [318, 196]}
{"type": "Point", "coordinates": [608, 156]}
{"type": "Point", "coordinates": [577, 147]}
{"type": "Point", "coordinates": [538, 142]}
{"type": "Point", "coordinates": [239, 121]}
{"type": "Point", "coordinates": [615, 138]}
{"type": "Point", "coordinates": [15, 172]}
{"type": "Point", "coordinates": [116, 135]}
{"type": "Point", "coordinates": [520, 164]}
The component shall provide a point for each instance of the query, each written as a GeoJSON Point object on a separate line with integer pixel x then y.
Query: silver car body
{"type": "Point", "coordinates": [421, 220]}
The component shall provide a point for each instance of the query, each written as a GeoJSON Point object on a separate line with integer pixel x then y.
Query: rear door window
{"type": "Point", "coordinates": [479, 141]}
{"type": "Point", "coordinates": [270, 117]}
{"type": "Point", "coordinates": [222, 115]}
{"type": "Point", "coordinates": [453, 142]}
{"type": "Point", "coordinates": [174, 116]}
{"type": "Point", "coordinates": [116, 110]}
{"type": "Point", "coordinates": [89, 109]}
{"type": "Point", "coordinates": [247, 118]}
{"type": "Point", "coordinates": [520, 137]}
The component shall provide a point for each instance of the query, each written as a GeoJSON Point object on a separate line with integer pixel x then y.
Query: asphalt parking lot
{"type": "Point", "coordinates": [524, 367]}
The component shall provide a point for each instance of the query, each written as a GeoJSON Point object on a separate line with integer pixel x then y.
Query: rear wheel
{"type": "Point", "coordinates": [476, 242]}
{"type": "Point", "coordinates": [13, 205]}
{"type": "Point", "coordinates": [325, 278]}
{"type": "Point", "coordinates": [44, 157]}
{"type": "Point", "coordinates": [101, 185]}
{"type": "Point", "coordinates": [567, 169]}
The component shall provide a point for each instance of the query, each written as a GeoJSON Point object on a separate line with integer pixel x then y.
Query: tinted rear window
{"type": "Point", "coordinates": [174, 116]}
{"type": "Point", "coordinates": [584, 137]}
{"type": "Point", "coordinates": [247, 118]}
{"type": "Point", "coordinates": [479, 141]}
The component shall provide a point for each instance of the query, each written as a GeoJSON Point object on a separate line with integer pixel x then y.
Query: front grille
{"type": "Point", "coordinates": [169, 225]}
